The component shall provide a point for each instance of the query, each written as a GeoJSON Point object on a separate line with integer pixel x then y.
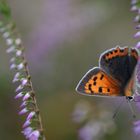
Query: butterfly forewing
{"type": "Point", "coordinates": [119, 63]}
{"type": "Point", "coordinates": [97, 82]}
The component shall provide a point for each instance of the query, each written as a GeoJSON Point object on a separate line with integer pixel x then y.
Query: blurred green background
{"type": "Point", "coordinates": [63, 40]}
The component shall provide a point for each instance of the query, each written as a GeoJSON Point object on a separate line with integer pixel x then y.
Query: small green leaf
{"type": "Point", "coordinates": [5, 9]}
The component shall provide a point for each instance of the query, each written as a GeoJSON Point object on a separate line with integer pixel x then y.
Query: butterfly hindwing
{"type": "Point", "coordinates": [97, 82]}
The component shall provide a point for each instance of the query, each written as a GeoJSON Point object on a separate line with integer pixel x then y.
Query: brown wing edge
{"type": "Point", "coordinates": [80, 87]}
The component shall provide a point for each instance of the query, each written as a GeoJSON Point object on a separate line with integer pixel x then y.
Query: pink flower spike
{"type": "Point", "coordinates": [19, 95]}
{"type": "Point", "coordinates": [138, 45]}
{"type": "Point", "coordinates": [26, 97]}
{"type": "Point", "coordinates": [27, 131]}
{"type": "Point", "coordinates": [34, 135]}
{"type": "Point", "coordinates": [19, 88]}
{"type": "Point", "coordinates": [30, 116]}
{"type": "Point", "coordinates": [23, 104]}
{"type": "Point", "coordinates": [23, 111]}
{"type": "Point", "coordinates": [27, 123]}
{"type": "Point", "coordinates": [137, 34]}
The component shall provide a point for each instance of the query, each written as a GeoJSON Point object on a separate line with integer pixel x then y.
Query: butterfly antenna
{"type": "Point", "coordinates": [131, 108]}
{"type": "Point", "coordinates": [117, 110]}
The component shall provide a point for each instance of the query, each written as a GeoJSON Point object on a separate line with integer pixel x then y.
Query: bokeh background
{"type": "Point", "coordinates": [63, 40]}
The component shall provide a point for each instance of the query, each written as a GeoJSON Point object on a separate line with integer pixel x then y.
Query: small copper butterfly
{"type": "Point", "coordinates": [114, 76]}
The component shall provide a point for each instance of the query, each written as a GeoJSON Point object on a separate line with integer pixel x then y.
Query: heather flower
{"type": "Point", "coordinates": [19, 95]}
{"type": "Point", "coordinates": [137, 35]}
{"type": "Point", "coordinates": [34, 135]}
{"type": "Point", "coordinates": [92, 127]}
{"type": "Point", "coordinates": [138, 45]}
{"type": "Point", "coordinates": [26, 96]}
{"type": "Point", "coordinates": [135, 3]}
{"type": "Point", "coordinates": [81, 111]}
{"type": "Point", "coordinates": [16, 77]}
{"type": "Point", "coordinates": [23, 104]}
{"type": "Point", "coordinates": [27, 131]}
{"type": "Point", "coordinates": [9, 41]}
{"type": "Point", "coordinates": [137, 127]}
{"type": "Point", "coordinates": [27, 123]}
{"type": "Point", "coordinates": [31, 115]}
{"type": "Point", "coordinates": [19, 88]}
{"type": "Point", "coordinates": [23, 111]}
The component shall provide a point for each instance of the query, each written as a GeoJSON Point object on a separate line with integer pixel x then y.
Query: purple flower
{"type": "Point", "coordinates": [11, 49]}
{"type": "Point", "coordinates": [16, 77]}
{"type": "Point", "coordinates": [12, 66]}
{"type": "Point", "coordinates": [23, 104]}
{"type": "Point", "coordinates": [27, 123]}
{"type": "Point", "coordinates": [31, 115]}
{"type": "Point", "coordinates": [20, 87]}
{"type": "Point", "coordinates": [23, 111]}
{"type": "Point", "coordinates": [18, 41]}
{"type": "Point", "coordinates": [137, 127]}
{"type": "Point", "coordinates": [26, 97]}
{"type": "Point", "coordinates": [20, 66]}
{"type": "Point", "coordinates": [34, 135]}
{"type": "Point", "coordinates": [18, 53]}
{"type": "Point", "coordinates": [24, 81]}
{"type": "Point", "coordinates": [137, 100]}
{"type": "Point", "coordinates": [138, 45]}
{"type": "Point", "coordinates": [27, 131]}
{"type": "Point", "coordinates": [19, 95]}
{"type": "Point", "coordinates": [134, 8]}
{"type": "Point", "coordinates": [137, 34]}
{"type": "Point", "coordinates": [133, 2]}
{"type": "Point", "coordinates": [9, 41]}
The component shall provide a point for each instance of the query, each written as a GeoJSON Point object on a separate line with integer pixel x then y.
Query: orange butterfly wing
{"type": "Point", "coordinates": [97, 82]}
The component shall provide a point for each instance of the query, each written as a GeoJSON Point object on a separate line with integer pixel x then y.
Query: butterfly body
{"type": "Point", "coordinates": [114, 76]}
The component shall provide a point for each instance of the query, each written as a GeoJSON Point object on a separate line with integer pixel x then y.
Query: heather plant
{"type": "Point", "coordinates": [32, 127]}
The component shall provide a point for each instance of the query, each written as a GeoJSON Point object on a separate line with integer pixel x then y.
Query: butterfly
{"type": "Point", "coordinates": [114, 76]}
